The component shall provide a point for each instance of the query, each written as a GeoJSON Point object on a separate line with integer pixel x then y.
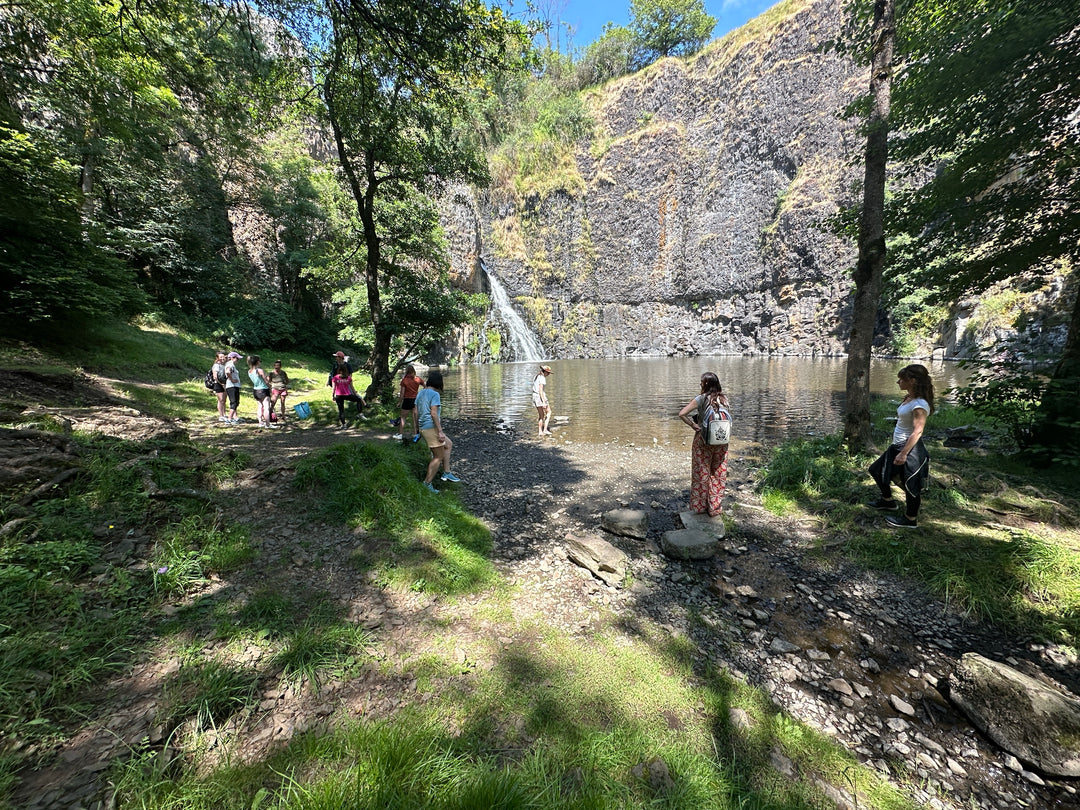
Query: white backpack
{"type": "Point", "coordinates": [716, 424]}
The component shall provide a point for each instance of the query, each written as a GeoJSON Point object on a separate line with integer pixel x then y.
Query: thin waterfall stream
{"type": "Point", "coordinates": [526, 346]}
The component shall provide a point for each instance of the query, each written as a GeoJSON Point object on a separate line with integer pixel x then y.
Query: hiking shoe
{"type": "Point", "coordinates": [361, 417]}
{"type": "Point", "coordinates": [882, 503]}
{"type": "Point", "coordinates": [901, 522]}
{"type": "Point", "coordinates": [223, 419]}
{"type": "Point", "coordinates": [431, 487]}
{"type": "Point", "coordinates": [396, 437]}
{"type": "Point", "coordinates": [416, 438]}
{"type": "Point", "coordinates": [449, 476]}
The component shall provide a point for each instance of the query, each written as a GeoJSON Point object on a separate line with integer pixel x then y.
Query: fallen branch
{"type": "Point", "coordinates": [47, 487]}
{"type": "Point", "coordinates": [12, 525]}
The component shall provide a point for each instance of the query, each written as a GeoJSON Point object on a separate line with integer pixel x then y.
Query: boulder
{"type": "Point", "coordinates": [703, 523]}
{"type": "Point", "coordinates": [627, 522]}
{"type": "Point", "coordinates": [1031, 720]}
{"type": "Point", "coordinates": [689, 544]}
{"type": "Point", "coordinates": [596, 554]}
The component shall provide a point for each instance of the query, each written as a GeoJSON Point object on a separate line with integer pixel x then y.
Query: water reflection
{"type": "Point", "coordinates": [637, 399]}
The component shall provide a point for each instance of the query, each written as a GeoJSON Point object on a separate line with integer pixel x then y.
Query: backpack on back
{"type": "Point", "coordinates": [210, 380]}
{"type": "Point", "coordinates": [716, 424]}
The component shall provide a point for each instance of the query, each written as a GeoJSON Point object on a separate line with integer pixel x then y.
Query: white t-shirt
{"type": "Point", "coordinates": [905, 419]}
{"type": "Point", "coordinates": [538, 390]}
{"type": "Point", "coordinates": [232, 376]}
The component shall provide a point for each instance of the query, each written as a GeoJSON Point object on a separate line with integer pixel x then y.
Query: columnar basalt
{"type": "Point", "coordinates": [697, 224]}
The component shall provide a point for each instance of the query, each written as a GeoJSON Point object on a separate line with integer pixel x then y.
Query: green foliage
{"type": "Point", "coordinates": [669, 28]}
{"type": "Point", "coordinates": [1005, 390]}
{"type": "Point", "coordinates": [1026, 579]}
{"type": "Point", "coordinates": [985, 96]}
{"type": "Point", "coordinates": [50, 275]}
{"type": "Point", "coordinates": [609, 57]}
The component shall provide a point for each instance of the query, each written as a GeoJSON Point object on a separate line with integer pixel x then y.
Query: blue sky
{"type": "Point", "coordinates": [587, 17]}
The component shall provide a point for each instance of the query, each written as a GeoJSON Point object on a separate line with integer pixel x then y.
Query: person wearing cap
{"type": "Point", "coordinates": [342, 369]}
{"type": "Point", "coordinates": [540, 400]}
{"type": "Point", "coordinates": [232, 387]}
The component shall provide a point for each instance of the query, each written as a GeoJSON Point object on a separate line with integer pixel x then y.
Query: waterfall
{"type": "Point", "coordinates": [525, 344]}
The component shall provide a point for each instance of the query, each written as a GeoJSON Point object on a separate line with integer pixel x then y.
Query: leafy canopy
{"type": "Point", "coordinates": [669, 27]}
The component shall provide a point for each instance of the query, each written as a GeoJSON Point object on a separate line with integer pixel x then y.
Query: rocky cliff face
{"type": "Point", "coordinates": [694, 222]}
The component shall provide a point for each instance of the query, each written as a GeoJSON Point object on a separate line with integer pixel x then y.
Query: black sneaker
{"type": "Point", "coordinates": [901, 522]}
{"type": "Point", "coordinates": [882, 503]}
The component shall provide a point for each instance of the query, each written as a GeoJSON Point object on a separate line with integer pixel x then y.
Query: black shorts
{"type": "Point", "coordinates": [219, 388]}
{"type": "Point", "coordinates": [261, 394]}
{"type": "Point", "coordinates": [408, 404]}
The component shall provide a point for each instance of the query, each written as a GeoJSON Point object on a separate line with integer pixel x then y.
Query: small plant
{"type": "Point", "coordinates": [210, 693]}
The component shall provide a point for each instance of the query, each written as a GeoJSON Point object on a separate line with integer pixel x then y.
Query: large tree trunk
{"type": "Point", "coordinates": [871, 262]}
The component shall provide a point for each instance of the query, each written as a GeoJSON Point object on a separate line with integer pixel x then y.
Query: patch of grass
{"type": "Point", "coordinates": [997, 540]}
{"type": "Point", "coordinates": [209, 693]}
{"type": "Point", "coordinates": [433, 544]}
{"type": "Point", "coordinates": [76, 605]}
{"type": "Point", "coordinates": [554, 723]}
{"type": "Point", "coordinates": [314, 650]}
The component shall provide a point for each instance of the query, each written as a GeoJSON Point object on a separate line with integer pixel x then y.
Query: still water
{"type": "Point", "coordinates": [637, 399]}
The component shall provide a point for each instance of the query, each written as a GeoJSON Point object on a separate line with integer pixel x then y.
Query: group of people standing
{"type": "Point", "coordinates": [269, 388]}
{"type": "Point", "coordinates": [905, 463]}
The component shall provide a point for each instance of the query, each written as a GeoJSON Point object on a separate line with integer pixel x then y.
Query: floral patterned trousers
{"type": "Point", "coordinates": [708, 476]}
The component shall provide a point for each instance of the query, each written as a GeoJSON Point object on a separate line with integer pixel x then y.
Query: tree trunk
{"type": "Point", "coordinates": [364, 195]}
{"type": "Point", "coordinates": [379, 362]}
{"type": "Point", "coordinates": [871, 262]}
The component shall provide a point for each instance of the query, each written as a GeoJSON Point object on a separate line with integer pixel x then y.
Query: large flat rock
{"type": "Point", "coordinates": [689, 544]}
{"type": "Point", "coordinates": [1031, 720]}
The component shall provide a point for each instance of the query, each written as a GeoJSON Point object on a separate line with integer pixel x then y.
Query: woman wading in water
{"type": "Point", "coordinates": [906, 461]}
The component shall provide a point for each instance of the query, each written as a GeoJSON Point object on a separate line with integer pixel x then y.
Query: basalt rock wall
{"type": "Point", "coordinates": [692, 221]}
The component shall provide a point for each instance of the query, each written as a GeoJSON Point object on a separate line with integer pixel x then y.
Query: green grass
{"type": "Point", "coordinates": [553, 723]}
{"type": "Point", "coordinates": [996, 539]}
{"type": "Point", "coordinates": [432, 543]}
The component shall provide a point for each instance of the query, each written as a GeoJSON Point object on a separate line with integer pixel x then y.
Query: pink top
{"type": "Point", "coordinates": [342, 385]}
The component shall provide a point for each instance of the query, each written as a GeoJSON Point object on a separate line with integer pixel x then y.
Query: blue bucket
{"type": "Point", "coordinates": [303, 410]}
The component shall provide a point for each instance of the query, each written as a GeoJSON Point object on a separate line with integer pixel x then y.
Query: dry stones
{"type": "Point", "coordinates": [1033, 721]}
{"type": "Point", "coordinates": [627, 522]}
{"type": "Point", "coordinates": [689, 544]}
{"type": "Point", "coordinates": [597, 555]}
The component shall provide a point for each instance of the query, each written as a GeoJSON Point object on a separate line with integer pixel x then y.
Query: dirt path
{"type": "Point", "coordinates": [834, 645]}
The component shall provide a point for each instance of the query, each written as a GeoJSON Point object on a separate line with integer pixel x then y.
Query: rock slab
{"type": "Point", "coordinates": [689, 544]}
{"type": "Point", "coordinates": [627, 522]}
{"type": "Point", "coordinates": [596, 554]}
{"type": "Point", "coordinates": [1033, 721]}
{"type": "Point", "coordinates": [703, 523]}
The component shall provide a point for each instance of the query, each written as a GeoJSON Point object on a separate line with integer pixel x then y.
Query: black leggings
{"type": "Point", "coordinates": [342, 399]}
{"type": "Point", "coordinates": [912, 476]}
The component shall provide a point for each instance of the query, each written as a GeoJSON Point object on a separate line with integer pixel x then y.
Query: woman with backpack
{"type": "Point", "coordinates": [708, 463]}
{"type": "Point", "coordinates": [217, 372]}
